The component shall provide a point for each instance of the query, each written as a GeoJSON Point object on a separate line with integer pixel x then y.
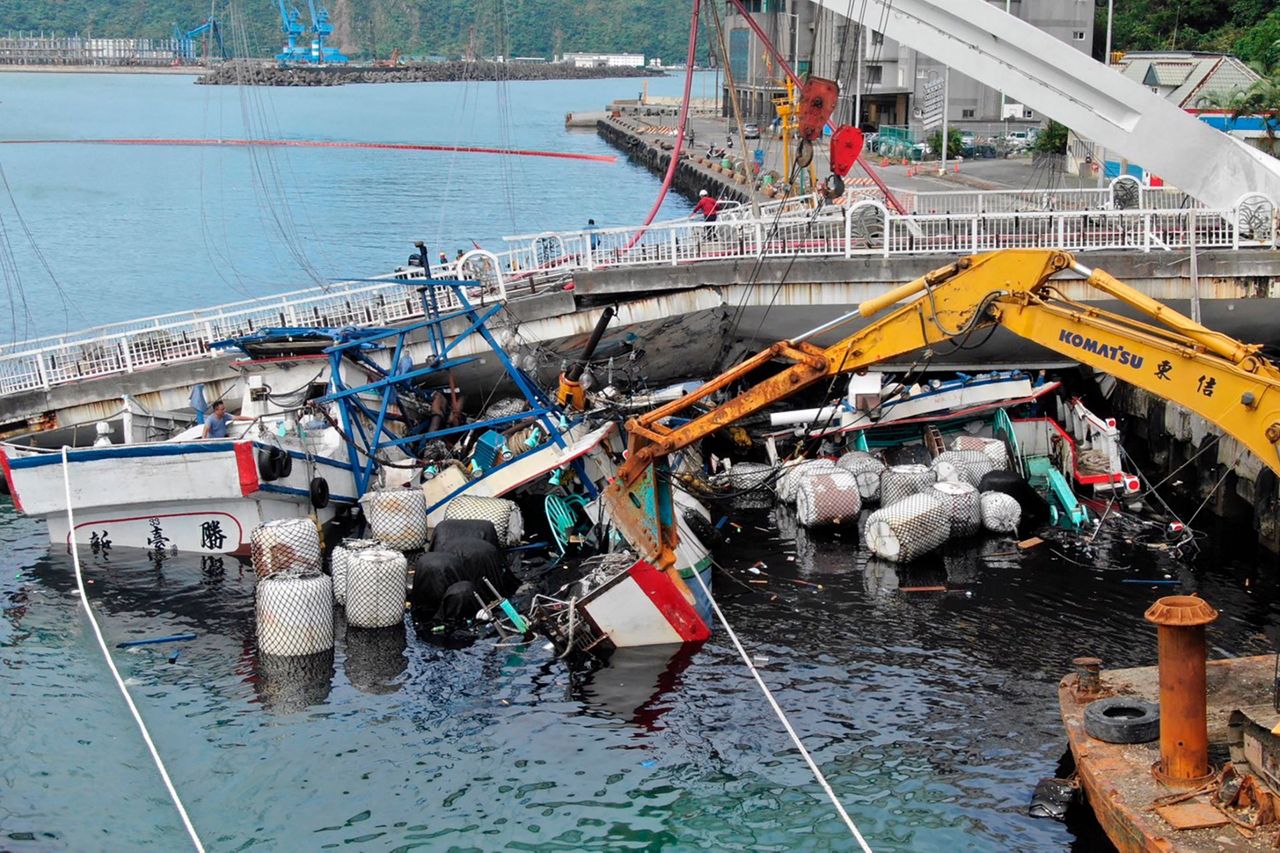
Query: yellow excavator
{"type": "Point", "coordinates": [1027, 291]}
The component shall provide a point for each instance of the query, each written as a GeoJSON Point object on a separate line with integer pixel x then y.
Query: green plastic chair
{"type": "Point", "coordinates": [563, 520]}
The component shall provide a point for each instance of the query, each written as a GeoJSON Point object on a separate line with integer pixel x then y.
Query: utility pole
{"type": "Point", "coordinates": [1006, 11]}
{"type": "Point", "coordinates": [1106, 60]}
{"type": "Point", "coordinates": [1195, 267]}
{"type": "Point", "coordinates": [857, 86]}
{"type": "Point", "coordinates": [946, 95]}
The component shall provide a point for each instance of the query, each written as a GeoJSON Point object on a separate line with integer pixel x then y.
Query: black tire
{"type": "Point", "coordinates": [1122, 719]}
{"type": "Point", "coordinates": [319, 492]}
{"type": "Point", "coordinates": [284, 464]}
{"type": "Point", "coordinates": [268, 468]}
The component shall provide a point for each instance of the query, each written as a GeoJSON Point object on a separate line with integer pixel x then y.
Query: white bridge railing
{"type": "Point", "coordinates": [867, 228]}
{"type": "Point", "coordinates": [1067, 220]}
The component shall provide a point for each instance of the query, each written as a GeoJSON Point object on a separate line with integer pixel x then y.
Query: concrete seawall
{"type": "Point", "coordinates": [655, 155]}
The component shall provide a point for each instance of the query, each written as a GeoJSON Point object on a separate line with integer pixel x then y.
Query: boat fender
{"type": "Point", "coordinates": [1122, 719]}
{"type": "Point", "coordinates": [319, 492]}
{"type": "Point", "coordinates": [284, 463]}
{"type": "Point", "coordinates": [268, 467]}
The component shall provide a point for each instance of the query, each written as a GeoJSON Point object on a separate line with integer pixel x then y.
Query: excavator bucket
{"type": "Point", "coordinates": [846, 146]}
{"type": "Point", "coordinates": [817, 102]}
{"type": "Point", "coordinates": [637, 512]}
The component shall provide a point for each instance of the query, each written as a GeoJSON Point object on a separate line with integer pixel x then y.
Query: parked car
{"type": "Point", "coordinates": [751, 131]}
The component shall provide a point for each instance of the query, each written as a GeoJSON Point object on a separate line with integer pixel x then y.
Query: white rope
{"type": "Point", "coordinates": [102, 644]}
{"type": "Point", "coordinates": [786, 724]}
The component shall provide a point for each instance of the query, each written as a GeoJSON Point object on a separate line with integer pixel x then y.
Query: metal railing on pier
{"type": "Point", "coordinates": [1075, 220]}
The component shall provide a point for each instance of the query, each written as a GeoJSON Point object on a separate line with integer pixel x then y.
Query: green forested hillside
{"type": "Point", "coordinates": [375, 27]}
{"type": "Point", "coordinates": [1248, 28]}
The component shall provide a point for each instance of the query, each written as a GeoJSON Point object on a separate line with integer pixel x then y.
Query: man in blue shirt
{"type": "Point", "coordinates": [215, 426]}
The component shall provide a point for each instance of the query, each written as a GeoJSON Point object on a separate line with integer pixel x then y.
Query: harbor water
{"type": "Point", "coordinates": [133, 231]}
{"type": "Point", "coordinates": [932, 713]}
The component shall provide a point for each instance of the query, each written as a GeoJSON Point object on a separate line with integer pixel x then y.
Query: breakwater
{"type": "Point", "coordinates": [263, 74]}
{"type": "Point", "coordinates": [692, 174]}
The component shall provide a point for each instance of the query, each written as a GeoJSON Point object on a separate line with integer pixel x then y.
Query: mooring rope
{"type": "Point", "coordinates": [102, 644]}
{"type": "Point", "coordinates": [782, 716]}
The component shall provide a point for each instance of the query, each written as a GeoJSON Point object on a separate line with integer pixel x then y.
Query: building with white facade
{"type": "Point", "coordinates": [893, 79]}
{"type": "Point", "coordinates": [604, 60]}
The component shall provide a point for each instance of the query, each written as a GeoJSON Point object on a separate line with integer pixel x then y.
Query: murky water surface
{"type": "Point", "coordinates": [932, 713]}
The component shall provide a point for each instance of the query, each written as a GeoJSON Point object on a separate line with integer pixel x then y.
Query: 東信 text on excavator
{"type": "Point", "coordinates": [1219, 378]}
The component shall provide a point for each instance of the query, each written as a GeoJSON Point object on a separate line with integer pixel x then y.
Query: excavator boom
{"type": "Point", "coordinates": [1219, 378]}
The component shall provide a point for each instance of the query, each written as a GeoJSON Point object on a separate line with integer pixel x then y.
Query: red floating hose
{"type": "Point", "coordinates": [314, 143]}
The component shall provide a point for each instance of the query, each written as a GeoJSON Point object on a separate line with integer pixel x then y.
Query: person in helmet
{"type": "Point", "coordinates": [707, 206]}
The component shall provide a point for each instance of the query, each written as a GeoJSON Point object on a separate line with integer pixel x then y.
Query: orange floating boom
{"type": "Point", "coordinates": [316, 143]}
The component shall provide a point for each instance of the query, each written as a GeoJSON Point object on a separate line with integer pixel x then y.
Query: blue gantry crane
{"type": "Point", "coordinates": [319, 53]}
{"type": "Point", "coordinates": [185, 43]}
{"type": "Point", "coordinates": [321, 29]}
{"type": "Point", "coordinates": [291, 25]}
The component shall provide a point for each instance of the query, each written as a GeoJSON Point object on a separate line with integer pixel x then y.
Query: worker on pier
{"type": "Point", "coordinates": [215, 426]}
{"type": "Point", "coordinates": [595, 238]}
{"type": "Point", "coordinates": [707, 206]}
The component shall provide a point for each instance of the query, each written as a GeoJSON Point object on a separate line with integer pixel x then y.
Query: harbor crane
{"type": "Point", "coordinates": [321, 29]}
{"type": "Point", "coordinates": [318, 53]}
{"type": "Point", "coordinates": [291, 25]}
{"type": "Point", "coordinates": [185, 43]}
{"type": "Point", "coordinates": [1024, 291]}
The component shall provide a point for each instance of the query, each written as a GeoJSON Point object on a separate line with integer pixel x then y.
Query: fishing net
{"type": "Point", "coordinates": [375, 658]}
{"type": "Point", "coordinates": [398, 517]}
{"type": "Point", "coordinates": [294, 613]}
{"type": "Point", "coordinates": [340, 559]}
{"type": "Point", "coordinates": [962, 503]}
{"type": "Point", "coordinates": [962, 466]}
{"type": "Point", "coordinates": [795, 471]}
{"type": "Point", "coordinates": [1000, 512]}
{"type": "Point", "coordinates": [286, 685]}
{"type": "Point", "coordinates": [375, 588]}
{"type": "Point", "coordinates": [285, 545]}
{"type": "Point", "coordinates": [866, 470]}
{"type": "Point", "coordinates": [505, 515]}
{"type": "Point", "coordinates": [994, 448]}
{"type": "Point", "coordinates": [901, 481]}
{"type": "Point", "coordinates": [749, 483]}
{"type": "Point", "coordinates": [827, 497]}
{"type": "Point", "coordinates": [505, 407]}
{"type": "Point", "coordinates": [902, 531]}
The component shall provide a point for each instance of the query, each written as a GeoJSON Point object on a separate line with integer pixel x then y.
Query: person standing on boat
{"type": "Point", "coordinates": [707, 206]}
{"type": "Point", "coordinates": [215, 426]}
{"type": "Point", "coordinates": [595, 238]}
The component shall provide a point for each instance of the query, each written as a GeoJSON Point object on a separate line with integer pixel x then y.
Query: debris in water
{"type": "Point", "coordinates": [1051, 798]}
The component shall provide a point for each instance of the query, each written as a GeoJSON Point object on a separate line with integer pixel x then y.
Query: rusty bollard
{"type": "Point", "coordinates": [1184, 730]}
{"type": "Point", "coordinates": [1088, 676]}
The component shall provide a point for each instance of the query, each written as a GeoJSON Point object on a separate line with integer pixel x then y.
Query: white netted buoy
{"type": "Point", "coordinates": [915, 525]}
{"type": "Point", "coordinates": [285, 545]}
{"type": "Point", "coordinates": [1000, 512]}
{"type": "Point", "coordinates": [827, 496]}
{"type": "Point", "coordinates": [294, 613]}
{"type": "Point", "coordinates": [340, 559]}
{"type": "Point", "coordinates": [866, 469]}
{"type": "Point", "coordinates": [993, 448]}
{"type": "Point", "coordinates": [963, 510]}
{"type": "Point", "coordinates": [901, 481]}
{"type": "Point", "coordinates": [507, 519]}
{"type": "Point", "coordinates": [969, 466]}
{"type": "Point", "coordinates": [795, 471]}
{"type": "Point", "coordinates": [398, 517]}
{"type": "Point", "coordinates": [375, 588]}
{"type": "Point", "coordinates": [749, 482]}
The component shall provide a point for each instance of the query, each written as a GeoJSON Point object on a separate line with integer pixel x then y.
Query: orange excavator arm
{"type": "Point", "coordinates": [1225, 381]}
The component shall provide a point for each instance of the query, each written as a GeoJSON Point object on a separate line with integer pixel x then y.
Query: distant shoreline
{"type": "Point", "coordinates": [188, 70]}
{"type": "Point", "coordinates": [263, 74]}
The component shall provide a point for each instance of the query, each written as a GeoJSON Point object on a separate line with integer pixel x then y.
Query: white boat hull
{"type": "Point", "coordinates": [201, 497]}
